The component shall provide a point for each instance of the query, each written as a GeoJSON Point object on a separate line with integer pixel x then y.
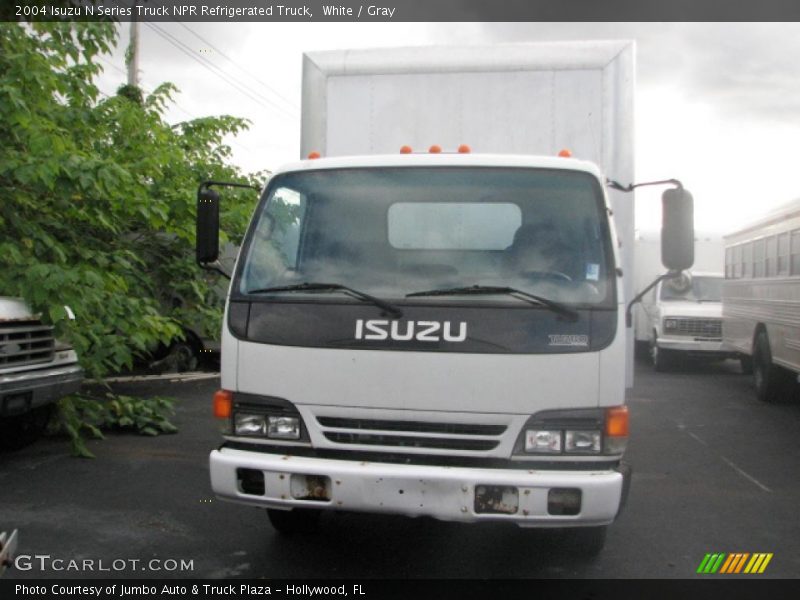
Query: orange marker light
{"type": "Point", "coordinates": [565, 153]}
{"type": "Point", "coordinates": [435, 149]}
{"type": "Point", "coordinates": [405, 150]}
{"type": "Point", "coordinates": [464, 149]}
{"type": "Point", "coordinates": [313, 155]}
{"type": "Point", "coordinates": [617, 421]}
{"type": "Point", "coordinates": [223, 404]}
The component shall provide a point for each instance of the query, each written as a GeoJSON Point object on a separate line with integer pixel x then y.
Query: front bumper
{"type": "Point", "coordinates": [23, 391]}
{"type": "Point", "coordinates": [690, 345]}
{"type": "Point", "coordinates": [446, 493]}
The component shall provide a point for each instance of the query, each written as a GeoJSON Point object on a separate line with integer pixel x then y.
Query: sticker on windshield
{"type": "Point", "coordinates": [568, 340]}
{"type": "Point", "coordinates": [592, 271]}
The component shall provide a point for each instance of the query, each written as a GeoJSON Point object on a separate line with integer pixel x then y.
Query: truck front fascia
{"type": "Point", "coordinates": [524, 497]}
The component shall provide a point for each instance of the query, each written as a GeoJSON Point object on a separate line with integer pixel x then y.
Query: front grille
{"type": "Point", "coordinates": [25, 343]}
{"type": "Point", "coordinates": [412, 434]}
{"type": "Point", "coordinates": [703, 328]}
{"type": "Point", "coordinates": [412, 426]}
{"type": "Point", "coordinates": [403, 441]}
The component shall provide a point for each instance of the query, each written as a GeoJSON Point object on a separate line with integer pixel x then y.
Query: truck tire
{"type": "Point", "coordinates": [661, 359]}
{"type": "Point", "coordinates": [298, 520]}
{"type": "Point", "coordinates": [770, 380]}
{"type": "Point", "coordinates": [22, 430]}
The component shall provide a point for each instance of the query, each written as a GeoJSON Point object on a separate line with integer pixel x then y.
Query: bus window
{"type": "Point", "coordinates": [783, 254]}
{"type": "Point", "coordinates": [758, 258]}
{"type": "Point", "coordinates": [772, 257]}
{"type": "Point", "coordinates": [795, 263]}
{"type": "Point", "coordinates": [747, 260]}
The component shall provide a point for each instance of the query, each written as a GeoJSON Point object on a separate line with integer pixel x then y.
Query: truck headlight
{"type": "Point", "coordinates": [284, 428]}
{"type": "Point", "coordinates": [583, 442]}
{"type": "Point", "coordinates": [248, 424]}
{"type": "Point", "coordinates": [270, 426]}
{"type": "Point", "coordinates": [546, 441]}
{"type": "Point", "coordinates": [574, 432]}
{"type": "Point", "coordinates": [670, 324]}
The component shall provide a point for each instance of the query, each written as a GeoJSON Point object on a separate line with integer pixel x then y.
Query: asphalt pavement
{"type": "Point", "coordinates": [714, 471]}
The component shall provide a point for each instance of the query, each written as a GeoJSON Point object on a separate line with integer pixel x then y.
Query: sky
{"type": "Point", "coordinates": [717, 104]}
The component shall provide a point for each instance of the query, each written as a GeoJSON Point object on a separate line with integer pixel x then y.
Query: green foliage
{"type": "Point", "coordinates": [81, 414]}
{"type": "Point", "coordinates": [98, 197]}
{"type": "Point", "coordinates": [97, 205]}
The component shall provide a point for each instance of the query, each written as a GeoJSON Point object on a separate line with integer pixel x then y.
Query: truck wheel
{"type": "Point", "coordinates": [586, 542]}
{"type": "Point", "coordinates": [770, 381]}
{"type": "Point", "coordinates": [22, 430]}
{"type": "Point", "coordinates": [662, 359]}
{"type": "Point", "coordinates": [298, 520]}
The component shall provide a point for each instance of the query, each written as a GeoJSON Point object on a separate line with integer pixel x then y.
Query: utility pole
{"type": "Point", "coordinates": [133, 50]}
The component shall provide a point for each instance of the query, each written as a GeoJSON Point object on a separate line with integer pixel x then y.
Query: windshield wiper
{"type": "Point", "coordinates": [479, 290]}
{"type": "Point", "coordinates": [331, 287]}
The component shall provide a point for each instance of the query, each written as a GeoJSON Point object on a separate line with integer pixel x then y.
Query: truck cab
{"type": "Point", "coordinates": [434, 334]}
{"type": "Point", "coordinates": [35, 371]}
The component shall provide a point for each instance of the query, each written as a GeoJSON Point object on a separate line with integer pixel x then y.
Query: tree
{"type": "Point", "coordinates": [97, 208]}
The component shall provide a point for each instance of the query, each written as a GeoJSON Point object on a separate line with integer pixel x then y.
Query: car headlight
{"type": "Point", "coordinates": [670, 324]}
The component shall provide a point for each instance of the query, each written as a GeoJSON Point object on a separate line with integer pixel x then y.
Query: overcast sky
{"type": "Point", "coordinates": [717, 105]}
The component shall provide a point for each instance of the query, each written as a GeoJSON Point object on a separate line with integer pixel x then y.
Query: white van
{"type": "Point", "coordinates": [684, 318]}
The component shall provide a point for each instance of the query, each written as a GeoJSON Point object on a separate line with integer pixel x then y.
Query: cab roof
{"type": "Point", "coordinates": [443, 160]}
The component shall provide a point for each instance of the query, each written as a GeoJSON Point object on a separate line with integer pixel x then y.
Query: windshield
{"type": "Point", "coordinates": [703, 289]}
{"type": "Point", "coordinates": [393, 231]}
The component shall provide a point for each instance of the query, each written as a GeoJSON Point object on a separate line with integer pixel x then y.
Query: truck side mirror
{"type": "Point", "coordinates": [207, 238]}
{"type": "Point", "coordinates": [677, 229]}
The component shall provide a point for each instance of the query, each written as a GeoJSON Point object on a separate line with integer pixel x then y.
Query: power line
{"type": "Point", "coordinates": [240, 86]}
{"type": "Point", "coordinates": [228, 78]}
{"type": "Point", "coordinates": [112, 65]}
{"type": "Point", "coordinates": [293, 105]}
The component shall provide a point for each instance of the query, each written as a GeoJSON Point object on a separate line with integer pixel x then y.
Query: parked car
{"type": "Point", "coordinates": [35, 371]}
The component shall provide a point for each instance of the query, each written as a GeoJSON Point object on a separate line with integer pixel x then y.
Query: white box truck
{"type": "Point", "coordinates": [418, 329]}
{"type": "Point", "coordinates": [35, 371]}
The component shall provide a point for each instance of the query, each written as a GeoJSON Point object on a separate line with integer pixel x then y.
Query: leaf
{"type": "Point", "coordinates": [168, 427]}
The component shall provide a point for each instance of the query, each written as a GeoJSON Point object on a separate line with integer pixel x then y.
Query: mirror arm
{"type": "Point", "coordinates": [207, 185]}
{"type": "Point", "coordinates": [215, 266]}
{"type": "Point", "coordinates": [640, 295]}
{"type": "Point", "coordinates": [616, 185]}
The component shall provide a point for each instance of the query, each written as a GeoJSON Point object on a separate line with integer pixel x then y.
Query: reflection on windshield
{"type": "Point", "coordinates": [393, 231]}
{"type": "Point", "coordinates": [703, 289]}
